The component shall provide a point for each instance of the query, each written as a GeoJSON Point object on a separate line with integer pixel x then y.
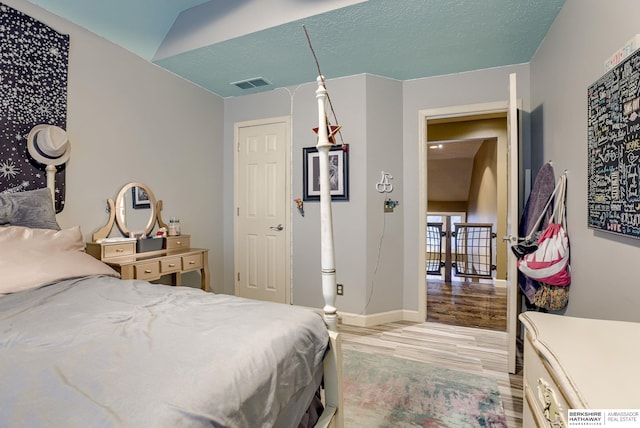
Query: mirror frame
{"type": "Point", "coordinates": [120, 208]}
{"type": "Point", "coordinates": [156, 208]}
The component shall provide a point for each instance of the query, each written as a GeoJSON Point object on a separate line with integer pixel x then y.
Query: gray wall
{"type": "Point", "coordinates": [371, 131]}
{"type": "Point", "coordinates": [583, 36]}
{"type": "Point", "coordinates": [384, 240]}
{"type": "Point", "coordinates": [348, 98]}
{"type": "Point", "coordinates": [129, 120]}
{"type": "Point", "coordinates": [374, 252]}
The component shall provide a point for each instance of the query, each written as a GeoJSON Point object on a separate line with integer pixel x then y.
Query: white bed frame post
{"type": "Point", "coordinates": [333, 415]}
{"type": "Point", "coordinates": [326, 221]}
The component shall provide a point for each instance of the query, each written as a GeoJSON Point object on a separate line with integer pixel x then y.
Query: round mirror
{"type": "Point", "coordinates": [135, 209]}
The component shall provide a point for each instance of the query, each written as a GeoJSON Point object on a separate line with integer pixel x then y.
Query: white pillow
{"type": "Point", "coordinates": [31, 258]}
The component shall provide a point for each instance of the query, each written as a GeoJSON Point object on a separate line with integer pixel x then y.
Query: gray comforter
{"type": "Point", "coordinates": [100, 352]}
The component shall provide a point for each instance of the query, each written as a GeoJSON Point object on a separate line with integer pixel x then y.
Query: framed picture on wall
{"type": "Point", "coordinates": [140, 198]}
{"type": "Point", "coordinates": [338, 174]}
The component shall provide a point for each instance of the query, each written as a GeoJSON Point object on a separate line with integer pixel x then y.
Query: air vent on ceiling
{"type": "Point", "coordinates": [251, 83]}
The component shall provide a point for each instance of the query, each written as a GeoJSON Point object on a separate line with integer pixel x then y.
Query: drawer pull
{"type": "Point", "coordinates": [551, 409]}
{"type": "Point", "coordinates": [147, 271]}
{"type": "Point", "coordinates": [119, 250]}
{"type": "Point", "coordinates": [172, 265]}
{"type": "Point", "coordinates": [191, 262]}
{"type": "Point", "coordinates": [178, 243]}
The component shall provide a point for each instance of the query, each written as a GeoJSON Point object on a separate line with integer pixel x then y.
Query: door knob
{"type": "Point", "coordinates": [277, 228]}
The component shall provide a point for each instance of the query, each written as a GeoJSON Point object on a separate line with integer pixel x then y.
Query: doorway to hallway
{"type": "Point", "coordinates": [506, 177]}
{"type": "Point", "coordinates": [465, 212]}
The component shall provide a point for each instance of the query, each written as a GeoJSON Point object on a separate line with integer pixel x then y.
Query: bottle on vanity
{"type": "Point", "coordinates": [174, 226]}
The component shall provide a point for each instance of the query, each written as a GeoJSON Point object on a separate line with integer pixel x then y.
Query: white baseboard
{"type": "Point", "coordinates": [500, 283]}
{"type": "Point", "coordinates": [377, 319]}
{"type": "Point", "coordinates": [358, 320]}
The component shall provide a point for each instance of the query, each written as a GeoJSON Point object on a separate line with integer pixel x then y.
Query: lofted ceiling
{"type": "Point", "coordinates": [218, 42]}
{"type": "Point", "coordinates": [450, 169]}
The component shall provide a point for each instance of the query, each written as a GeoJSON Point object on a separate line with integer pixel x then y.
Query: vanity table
{"type": "Point", "coordinates": [174, 258]}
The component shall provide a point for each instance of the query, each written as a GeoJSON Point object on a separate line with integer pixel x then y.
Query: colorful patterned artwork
{"type": "Point", "coordinates": [33, 90]}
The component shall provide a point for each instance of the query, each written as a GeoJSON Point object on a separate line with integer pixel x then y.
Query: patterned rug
{"type": "Point", "coordinates": [382, 392]}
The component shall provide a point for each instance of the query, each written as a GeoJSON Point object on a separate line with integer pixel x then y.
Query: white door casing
{"type": "Point", "coordinates": [262, 210]}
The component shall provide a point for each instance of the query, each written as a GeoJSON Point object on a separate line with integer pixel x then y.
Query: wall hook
{"type": "Point", "coordinates": [385, 186]}
{"type": "Point", "coordinates": [300, 205]}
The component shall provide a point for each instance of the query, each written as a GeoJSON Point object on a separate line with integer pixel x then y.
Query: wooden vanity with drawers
{"type": "Point", "coordinates": [177, 258]}
{"type": "Point", "coordinates": [136, 202]}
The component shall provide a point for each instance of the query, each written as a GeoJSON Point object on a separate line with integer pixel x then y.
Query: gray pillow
{"type": "Point", "coordinates": [33, 208]}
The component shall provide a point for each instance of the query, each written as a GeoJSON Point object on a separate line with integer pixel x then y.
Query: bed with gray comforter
{"type": "Point", "coordinates": [96, 351]}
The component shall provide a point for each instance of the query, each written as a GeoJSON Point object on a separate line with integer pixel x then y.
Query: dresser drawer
{"type": "Point", "coordinates": [170, 264]}
{"type": "Point", "coordinates": [192, 262]}
{"type": "Point", "coordinates": [544, 401]}
{"type": "Point", "coordinates": [147, 270]}
{"type": "Point", "coordinates": [178, 242]}
{"type": "Point", "coordinates": [110, 251]}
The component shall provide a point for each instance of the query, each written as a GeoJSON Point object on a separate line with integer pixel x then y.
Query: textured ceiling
{"type": "Point", "coordinates": [399, 39]}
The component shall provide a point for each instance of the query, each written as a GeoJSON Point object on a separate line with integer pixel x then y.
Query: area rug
{"type": "Point", "coordinates": [382, 391]}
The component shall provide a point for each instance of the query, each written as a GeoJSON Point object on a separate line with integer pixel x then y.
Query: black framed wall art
{"type": "Point", "coordinates": [338, 174]}
{"type": "Point", "coordinates": [613, 195]}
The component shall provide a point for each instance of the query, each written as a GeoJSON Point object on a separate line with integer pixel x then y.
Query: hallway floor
{"type": "Point", "coordinates": [467, 304]}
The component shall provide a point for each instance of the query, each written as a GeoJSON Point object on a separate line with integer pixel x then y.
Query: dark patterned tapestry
{"type": "Point", "coordinates": [33, 90]}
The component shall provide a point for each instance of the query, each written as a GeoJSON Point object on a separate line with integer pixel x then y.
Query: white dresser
{"type": "Point", "coordinates": [578, 363]}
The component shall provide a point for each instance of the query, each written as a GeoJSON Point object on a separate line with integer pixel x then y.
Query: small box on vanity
{"type": "Point", "coordinates": [150, 244]}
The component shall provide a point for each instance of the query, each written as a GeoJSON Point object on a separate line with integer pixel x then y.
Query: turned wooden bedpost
{"type": "Point", "coordinates": [326, 220]}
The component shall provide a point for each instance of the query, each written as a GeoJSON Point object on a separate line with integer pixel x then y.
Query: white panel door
{"type": "Point", "coordinates": [262, 259]}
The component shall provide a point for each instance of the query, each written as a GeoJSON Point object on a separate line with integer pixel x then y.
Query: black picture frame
{"type": "Point", "coordinates": [140, 198]}
{"type": "Point", "coordinates": [339, 167]}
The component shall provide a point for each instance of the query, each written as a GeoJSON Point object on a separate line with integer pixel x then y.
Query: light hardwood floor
{"type": "Point", "coordinates": [472, 350]}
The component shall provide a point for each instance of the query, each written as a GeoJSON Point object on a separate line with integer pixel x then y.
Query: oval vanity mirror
{"type": "Point", "coordinates": [135, 209]}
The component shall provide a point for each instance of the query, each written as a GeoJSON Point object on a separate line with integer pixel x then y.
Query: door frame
{"type": "Point", "coordinates": [287, 229]}
{"type": "Point", "coordinates": [471, 111]}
